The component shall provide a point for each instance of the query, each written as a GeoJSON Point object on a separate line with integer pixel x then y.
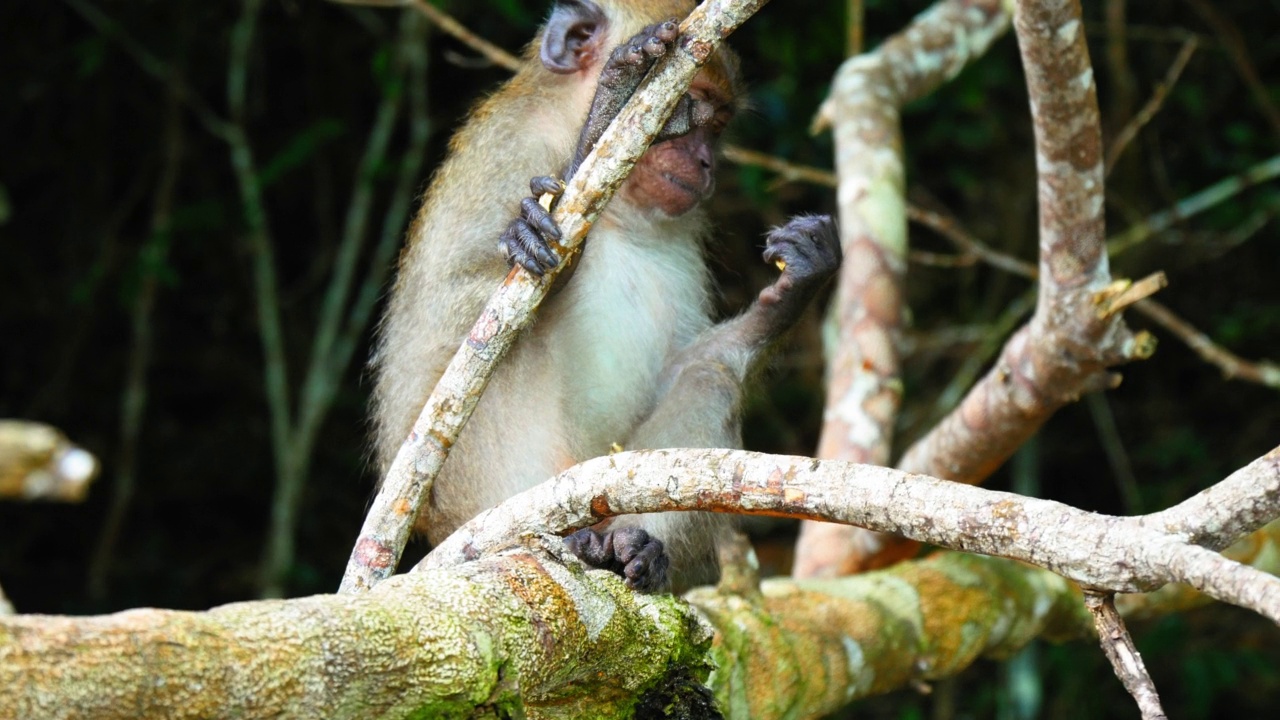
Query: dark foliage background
{"type": "Point", "coordinates": [81, 131]}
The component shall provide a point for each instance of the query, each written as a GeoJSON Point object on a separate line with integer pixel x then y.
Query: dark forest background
{"type": "Point", "coordinates": [127, 273]}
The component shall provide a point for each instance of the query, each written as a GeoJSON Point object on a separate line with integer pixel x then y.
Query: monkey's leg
{"type": "Point", "coordinates": [700, 405]}
{"type": "Point", "coordinates": [700, 408]}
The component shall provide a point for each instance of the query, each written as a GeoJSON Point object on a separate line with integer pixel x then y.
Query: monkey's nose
{"type": "Point", "coordinates": [704, 157]}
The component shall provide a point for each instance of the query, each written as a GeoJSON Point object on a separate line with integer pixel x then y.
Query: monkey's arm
{"type": "Point", "coordinates": [701, 400]}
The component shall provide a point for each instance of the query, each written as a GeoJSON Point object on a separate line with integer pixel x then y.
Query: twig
{"type": "Point", "coordinates": [217, 125]}
{"type": "Point", "coordinates": [1230, 36]}
{"type": "Point", "coordinates": [1124, 91]}
{"type": "Point", "coordinates": [512, 306]}
{"type": "Point", "coordinates": [788, 171]}
{"type": "Point", "coordinates": [445, 22]}
{"type": "Point", "coordinates": [450, 25]}
{"type": "Point", "coordinates": [1118, 646]}
{"type": "Point", "coordinates": [1234, 367]}
{"type": "Point", "coordinates": [6, 607]}
{"type": "Point", "coordinates": [152, 257]}
{"type": "Point", "coordinates": [949, 228]}
{"type": "Point", "coordinates": [990, 345]}
{"type": "Point", "coordinates": [1104, 420]}
{"type": "Point", "coordinates": [1194, 204]}
{"type": "Point", "coordinates": [854, 20]}
{"type": "Point", "coordinates": [1153, 105]}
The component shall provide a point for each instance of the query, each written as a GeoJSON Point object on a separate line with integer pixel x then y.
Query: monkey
{"type": "Point", "coordinates": [625, 352]}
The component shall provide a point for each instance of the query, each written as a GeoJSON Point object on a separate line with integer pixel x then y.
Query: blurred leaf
{"type": "Point", "coordinates": [300, 149]}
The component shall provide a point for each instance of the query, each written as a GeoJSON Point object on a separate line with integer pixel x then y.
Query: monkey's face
{"type": "Point", "coordinates": [675, 176]}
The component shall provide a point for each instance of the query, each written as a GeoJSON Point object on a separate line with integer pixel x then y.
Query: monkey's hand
{"type": "Point", "coordinates": [630, 552]}
{"type": "Point", "coordinates": [528, 240]}
{"type": "Point", "coordinates": [807, 250]}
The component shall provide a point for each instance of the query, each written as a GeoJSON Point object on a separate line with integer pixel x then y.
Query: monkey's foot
{"type": "Point", "coordinates": [807, 250]}
{"type": "Point", "coordinates": [630, 61]}
{"type": "Point", "coordinates": [528, 240]}
{"type": "Point", "coordinates": [630, 552]}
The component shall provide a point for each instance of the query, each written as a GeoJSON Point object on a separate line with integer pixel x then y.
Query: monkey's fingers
{"type": "Point", "coordinates": [647, 571]}
{"type": "Point", "coordinates": [524, 247]}
{"type": "Point", "coordinates": [546, 185]}
{"type": "Point", "coordinates": [540, 218]}
{"type": "Point", "coordinates": [808, 246]}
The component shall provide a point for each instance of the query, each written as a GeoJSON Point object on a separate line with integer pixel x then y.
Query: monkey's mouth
{"type": "Point", "coordinates": [695, 190]}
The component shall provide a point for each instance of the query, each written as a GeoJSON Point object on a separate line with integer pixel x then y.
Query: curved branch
{"type": "Point", "coordinates": [1100, 552]}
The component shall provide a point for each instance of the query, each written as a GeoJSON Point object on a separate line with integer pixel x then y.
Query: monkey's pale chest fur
{"type": "Point", "coordinates": [630, 305]}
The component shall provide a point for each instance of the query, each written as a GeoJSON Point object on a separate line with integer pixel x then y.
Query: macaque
{"type": "Point", "coordinates": [624, 352]}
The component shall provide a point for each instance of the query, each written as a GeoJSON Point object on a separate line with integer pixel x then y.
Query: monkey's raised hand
{"type": "Point", "coordinates": [630, 552]}
{"type": "Point", "coordinates": [807, 250]}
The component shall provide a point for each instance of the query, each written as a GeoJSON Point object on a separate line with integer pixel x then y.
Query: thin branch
{"type": "Point", "coordinates": [326, 367]}
{"type": "Point", "coordinates": [1104, 421]}
{"type": "Point", "coordinates": [511, 308]}
{"type": "Point", "coordinates": [854, 19]}
{"type": "Point", "coordinates": [1118, 646]}
{"type": "Point", "coordinates": [788, 170]}
{"type": "Point", "coordinates": [448, 24]}
{"type": "Point", "coordinates": [1233, 40]}
{"type": "Point", "coordinates": [1234, 367]}
{"type": "Point", "coordinates": [1194, 204]}
{"type": "Point", "coordinates": [1153, 105]}
{"type": "Point", "coordinates": [950, 228]}
{"type": "Point", "coordinates": [152, 257]}
{"type": "Point", "coordinates": [393, 222]}
{"type": "Point", "coordinates": [157, 68]}
{"type": "Point", "coordinates": [1263, 372]}
{"type": "Point", "coordinates": [1124, 91]}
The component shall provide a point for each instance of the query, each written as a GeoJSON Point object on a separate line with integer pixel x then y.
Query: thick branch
{"type": "Point", "coordinates": [511, 308]}
{"type": "Point", "coordinates": [510, 634]}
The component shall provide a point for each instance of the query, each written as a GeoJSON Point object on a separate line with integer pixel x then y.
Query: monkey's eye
{"type": "Point", "coordinates": [721, 120]}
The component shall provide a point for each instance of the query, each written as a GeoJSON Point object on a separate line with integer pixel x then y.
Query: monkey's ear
{"type": "Point", "coordinates": [574, 33]}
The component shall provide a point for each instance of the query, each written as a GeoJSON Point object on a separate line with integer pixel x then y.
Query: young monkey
{"type": "Point", "coordinates": [625, 352]}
